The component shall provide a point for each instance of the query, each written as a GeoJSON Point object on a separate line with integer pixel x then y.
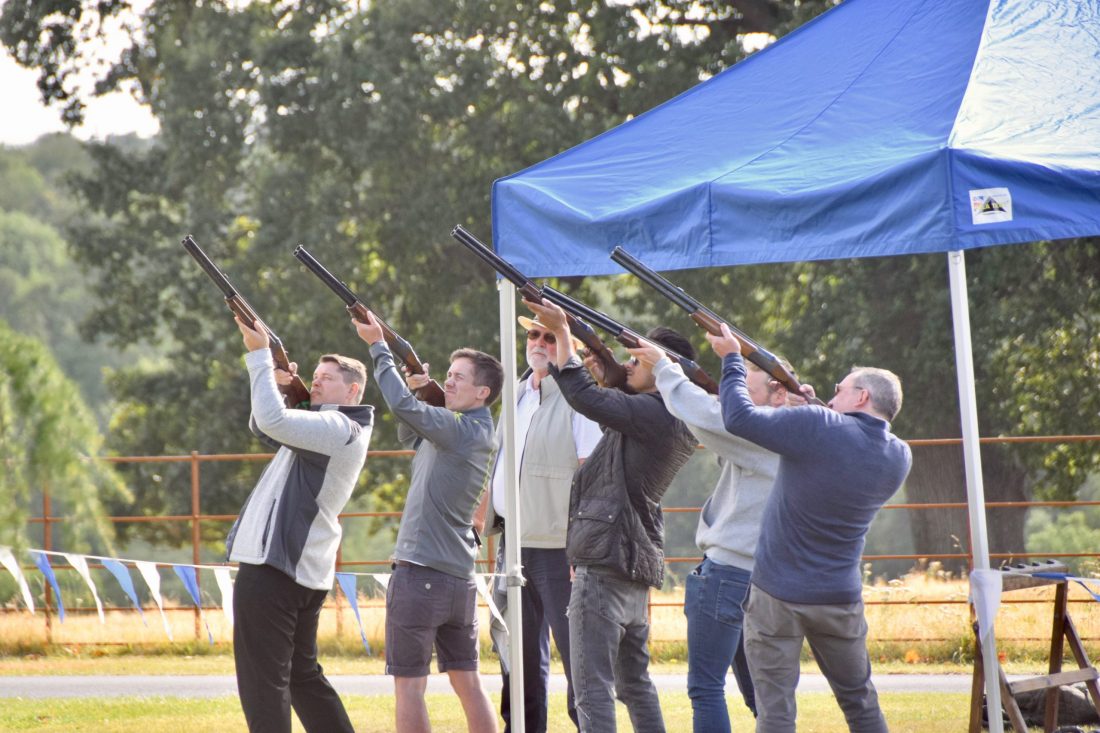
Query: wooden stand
{"type": "Point", "coordinates": [1062, 630]}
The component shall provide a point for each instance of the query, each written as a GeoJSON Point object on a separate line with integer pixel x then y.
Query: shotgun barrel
{"type": "Point", "coordinates": [711, 322]}
{"type": "Point", "coordinates": [431, 393]}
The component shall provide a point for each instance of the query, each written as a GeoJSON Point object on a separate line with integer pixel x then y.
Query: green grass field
{"type": "Point", "coordinates": [818, 713]}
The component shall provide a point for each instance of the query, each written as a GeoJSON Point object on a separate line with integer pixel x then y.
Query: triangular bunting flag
{"type": "Point", "coordinates": [347, 584]}
{"type": "Point", "coordinates": [225, 585]}
{"type": "Point", "coordinates": [42, 560]}
{"type": "Point", "coordinates": [81, 564]}
{"type": "Point", "coordinates": [186, 573]}
{"type": "Point", "coordinates": [483, 589]}
{"type": "Point", "coordinates": [8, 560]}
{"type": "Point", "coordinates": [151, 575]}
{"type": "Point", "coordinates": [122, 575]}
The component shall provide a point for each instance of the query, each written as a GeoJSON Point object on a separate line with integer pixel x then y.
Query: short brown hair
{"type": "Point", "coordinates": [352, 370]}
{"type": "Point", "coordinates": [774, 385]}
{"type": "Point", "coordinates": [487, 371]}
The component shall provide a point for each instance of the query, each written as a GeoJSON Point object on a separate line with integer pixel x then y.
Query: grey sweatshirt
{"type": "Point", "coordinates": [289, 521]}
{"type": "Point", "coordinates": [453, 450]}
{"type": "Point", "coordinates": [729, 523]}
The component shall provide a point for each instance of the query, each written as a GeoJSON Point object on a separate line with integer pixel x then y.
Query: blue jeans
{"type": "Point", "coordinates": [712, 604]}
{"type": "Point", "coordinates": [608, 631]}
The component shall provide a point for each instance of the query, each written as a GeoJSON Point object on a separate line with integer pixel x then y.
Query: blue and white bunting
{"type": "Point", "coordinates": [225, 585]}
{"type": "Point", "coordinates": [151, 575]}
{"type": "Point", "coordinates": [351, 592]}
{"type": "Point", "coordinates": [122, 575]}
{"type": "Point", "coordinates": [186, 573]}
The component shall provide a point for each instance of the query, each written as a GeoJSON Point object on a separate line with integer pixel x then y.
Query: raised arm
{"type": "Point", "coordinates": [321, 432]}
{"type": "Point", "coordinates": [702, 413]}
{"type": "Point", "coordinates": [611, 408]}
{"type": "Point", "coordinates": [789, 432]}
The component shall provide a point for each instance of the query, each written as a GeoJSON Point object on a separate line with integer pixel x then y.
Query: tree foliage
{"type": "Point", "coordinates": [42, 290]}
{"type": "Point", "coordinates": [367, 130]}
{"type": "Point", "coordinates": [48, 441]}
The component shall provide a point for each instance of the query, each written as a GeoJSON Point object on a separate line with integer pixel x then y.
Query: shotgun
{"type": "Point", "coordinates": [614, 374]}
{"type": "Point", "coordinates": [296, 393]}
{"type": "Point", "coordinates": [710, 322]}
{"type": "Point", "coordinates": [431, 393]}
{"type": "Point", "coordinates": [628, 337]}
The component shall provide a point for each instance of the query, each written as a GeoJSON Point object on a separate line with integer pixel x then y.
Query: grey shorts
{"type": "Point", "coordinates": [425, 607]}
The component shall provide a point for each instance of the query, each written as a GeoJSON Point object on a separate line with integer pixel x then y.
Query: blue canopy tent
{"type": "Point", "coordinates": [879, 128]}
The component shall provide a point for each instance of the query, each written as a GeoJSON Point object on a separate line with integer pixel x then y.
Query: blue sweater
{"type": "Point", "coordinates": [835, 473]}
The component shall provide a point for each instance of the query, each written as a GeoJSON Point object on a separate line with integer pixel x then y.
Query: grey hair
{"type": "Point", "coordinates": [885, 389]}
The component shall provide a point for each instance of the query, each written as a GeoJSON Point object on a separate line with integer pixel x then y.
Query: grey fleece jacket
{"type": "Point", "coordinates": [729, 523]}
{"type": "Point", "coordinates": [453, 450]}
{"type": "Point", "coordinates": [289, 521]}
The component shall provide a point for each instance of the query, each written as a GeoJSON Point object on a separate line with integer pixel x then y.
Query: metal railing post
{"type": "Point", "coordinates": [47, 544]}
{"type": "Point", "coordinates": [196, 536]}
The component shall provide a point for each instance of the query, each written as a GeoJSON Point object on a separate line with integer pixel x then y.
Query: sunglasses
{"type": "Point", "coordinates": [549, 338]}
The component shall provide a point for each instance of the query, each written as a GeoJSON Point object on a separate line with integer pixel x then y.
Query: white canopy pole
{"type": "Point", "coordinates": [975, 489]}
{"type": "Point", "coordinates": [510, 464]}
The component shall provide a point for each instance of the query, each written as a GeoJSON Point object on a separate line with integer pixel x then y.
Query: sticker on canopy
{"type": "Point", "coordinates": [990, 205]}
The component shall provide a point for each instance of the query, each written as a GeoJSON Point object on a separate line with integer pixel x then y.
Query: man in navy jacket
{"type": "Point", "coordinates": [837, 467]}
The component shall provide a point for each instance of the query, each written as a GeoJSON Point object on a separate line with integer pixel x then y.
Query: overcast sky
{"type": "Point", "coordinates": [23, 118]}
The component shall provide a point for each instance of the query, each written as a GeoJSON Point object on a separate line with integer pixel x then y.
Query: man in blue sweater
{"type": "Point", "coordinates": [837, 467]}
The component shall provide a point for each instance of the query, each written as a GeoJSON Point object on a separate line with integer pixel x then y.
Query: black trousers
{"type": "Point", "coordinates": [543, 600]}
{"type": "Point", "coordinates": [275, 650]}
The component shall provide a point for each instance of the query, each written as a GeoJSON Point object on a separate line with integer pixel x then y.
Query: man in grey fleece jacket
{"type": "Point", "coordinates": [430, 598]}
{"type": "Point", "coordinates": [729, 525]}
{"type": "Point", "coordinates": [286, 537]}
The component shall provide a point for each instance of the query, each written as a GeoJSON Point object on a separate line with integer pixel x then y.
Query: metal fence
{"type": "Point", "coordinates": [196, 518]}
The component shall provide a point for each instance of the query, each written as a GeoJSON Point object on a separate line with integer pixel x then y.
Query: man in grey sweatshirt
{"type": "Point", "coordinates": [729, 525]}
{"type": "Point", "coordinates": [286, 537]}
{"type": "Point", "coordinates": [431, 596]}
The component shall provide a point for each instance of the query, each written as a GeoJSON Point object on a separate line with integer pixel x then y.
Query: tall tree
{"type": "Point", "coordinates": [366, 130]}
{"type": "Point", "coordinates": [49, 442]}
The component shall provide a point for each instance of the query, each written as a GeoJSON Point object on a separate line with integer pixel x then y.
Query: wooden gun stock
{"type": "Point", "coordinates": [295, 394]}
{"type": "Point", "coordinates": [629, 337]}
{"type": "Point", "coordinates": [431, 393]}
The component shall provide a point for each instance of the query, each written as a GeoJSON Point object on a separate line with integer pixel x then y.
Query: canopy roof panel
{"type": "Point", "coordinates": [879, 128]}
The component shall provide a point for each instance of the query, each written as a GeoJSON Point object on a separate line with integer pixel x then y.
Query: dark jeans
{"type": "Point", "coordinates": [608, 631]}
{"type": "Point", "coordinates": [712, 604]}
{"type": "Point", "coordinates": [545, 599]}
{"type": "Point", "coordinates": [275, 650]}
